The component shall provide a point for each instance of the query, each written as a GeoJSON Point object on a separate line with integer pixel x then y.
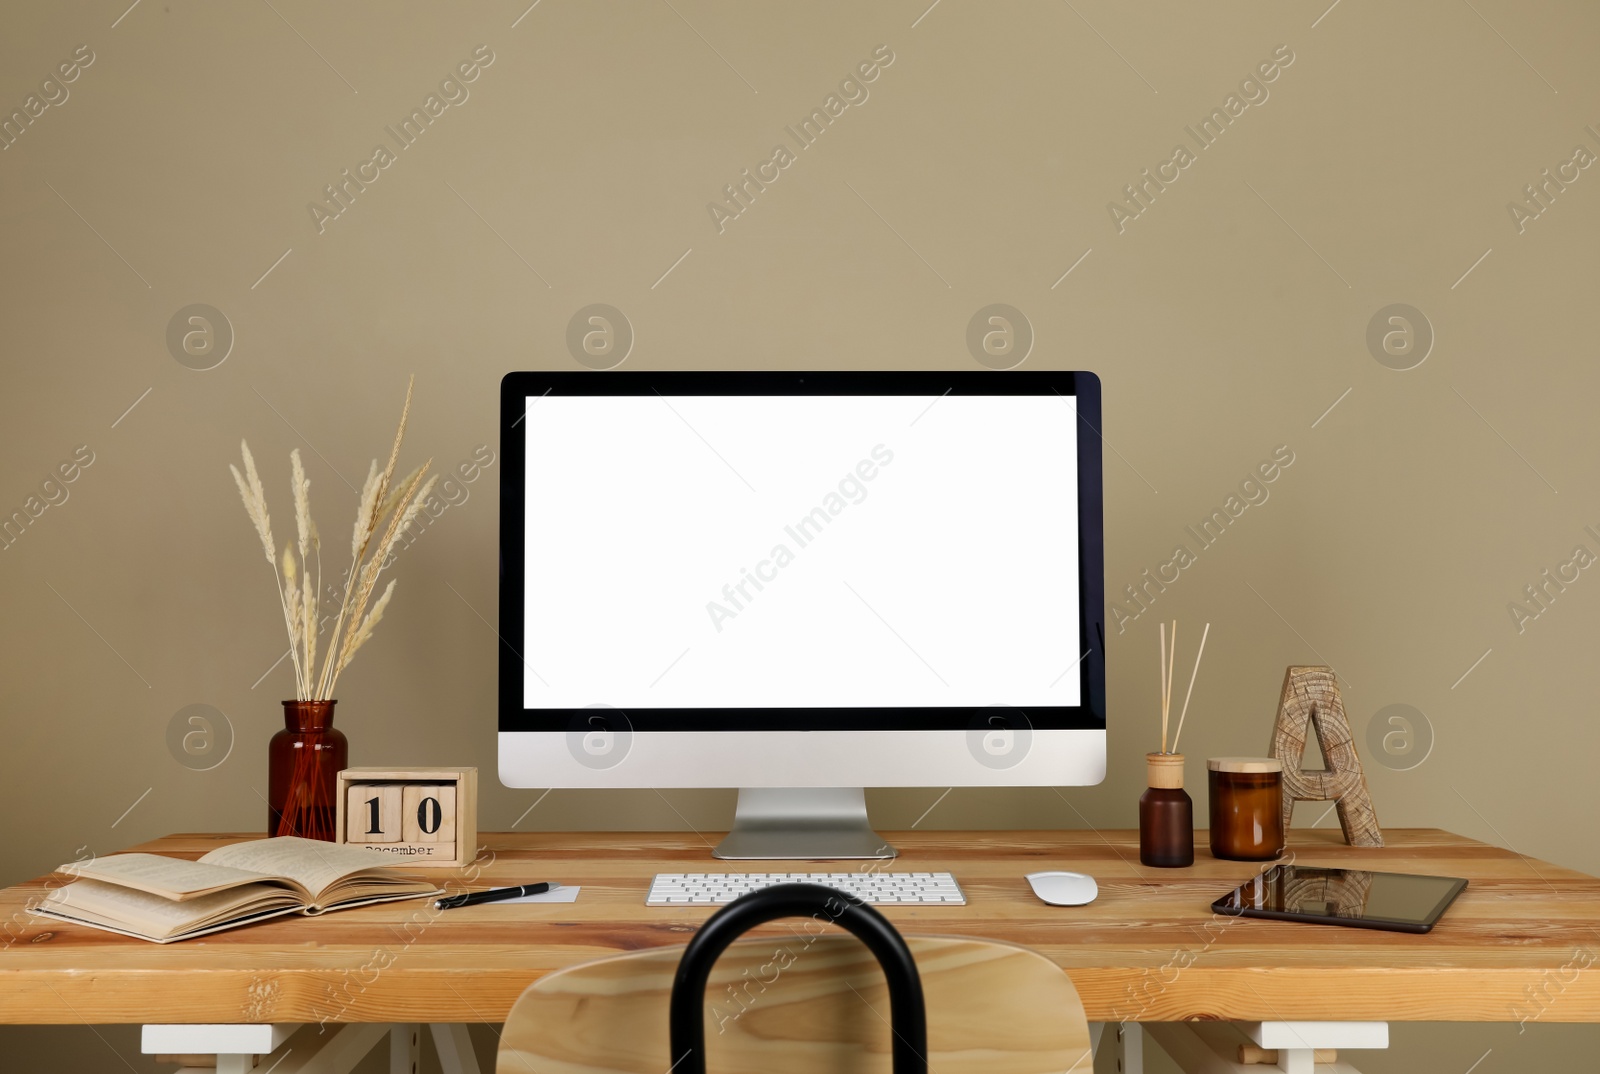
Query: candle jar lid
{"type": "Point", "coordinates": [1244, 764]}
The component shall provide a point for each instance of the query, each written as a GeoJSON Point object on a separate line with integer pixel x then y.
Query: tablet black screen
{"type": "Point", "coordinates": [1398, 901]}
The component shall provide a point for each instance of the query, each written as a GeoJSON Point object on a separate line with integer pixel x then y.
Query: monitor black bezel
{"type": "Point", "coordinates": [516, 388]}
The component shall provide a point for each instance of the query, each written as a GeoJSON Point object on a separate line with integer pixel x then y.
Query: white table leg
{"type": "Point", "coordinates": [1297, 1035]}
{"type": "Point", "coordinates": [455, 1048]}
{"type": "Point", "coordinates": [247, 1039]}
{"type": "Point", "coordinates": [1128, 1048]}
{"type": "Point", "coordinates": [405, 1048]}
{"type": "Point", "coordinates": [249, 1049]}
{"type": "Point", "coordinates": [1213, 1047]}
{"type": "Point", "coordinates": [1296, 1041]}
{"type": "Point", "coordinates": [1296, 1060]}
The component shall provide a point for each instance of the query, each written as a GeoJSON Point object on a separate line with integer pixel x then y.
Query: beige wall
{"type": "Point", "coordinates": [1225, 320]}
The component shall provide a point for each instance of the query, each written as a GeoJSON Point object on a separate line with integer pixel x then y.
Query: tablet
{"type": "Point", "coordinates": [1399, 902]}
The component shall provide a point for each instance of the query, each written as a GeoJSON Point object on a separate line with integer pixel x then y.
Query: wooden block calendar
{"type": "Point", "coordinates": [425, 817]}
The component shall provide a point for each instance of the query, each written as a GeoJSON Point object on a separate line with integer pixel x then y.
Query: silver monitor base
{"type": "Point", "coordinates": [804, 824]}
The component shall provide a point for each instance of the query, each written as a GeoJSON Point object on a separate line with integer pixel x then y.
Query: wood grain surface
{"type": "Point", "coordinates": [1518, 944]}
{"type": "Point", "coordinates": [1311, 700]}
{"type": "Point", "coordinates": [804, 1002]}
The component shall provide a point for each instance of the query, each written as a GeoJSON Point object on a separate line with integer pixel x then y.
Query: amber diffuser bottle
{"type": "Point", "coordinates": [1166, 815]}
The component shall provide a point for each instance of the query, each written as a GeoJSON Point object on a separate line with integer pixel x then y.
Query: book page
{"type": "Point", "coordinates": [156, 916]}
{"type": "Point", "coordinates": [175, 878]}
{"type": "Point", "coordinates": [349, 901]}
{"type": "Point", "coordinates": [85, 917]}
{"type": "Point", "coordinates": [362, 889]}
{"type": "Point", "coordinates": [313, 864]}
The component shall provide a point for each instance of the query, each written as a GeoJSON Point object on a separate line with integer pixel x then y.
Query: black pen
{"type": "Point", "coordinates": [492, 895]}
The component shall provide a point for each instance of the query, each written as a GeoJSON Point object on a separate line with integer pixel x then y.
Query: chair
{"type": "Point", "coordinates": [803, 998]}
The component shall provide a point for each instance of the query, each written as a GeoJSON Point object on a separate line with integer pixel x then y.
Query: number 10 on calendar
{"type": "Point", "coordinates": [424, 817]}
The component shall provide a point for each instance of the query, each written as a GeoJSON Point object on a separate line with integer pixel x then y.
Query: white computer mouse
{"type": "Point", "coordinates": [1064, 889]}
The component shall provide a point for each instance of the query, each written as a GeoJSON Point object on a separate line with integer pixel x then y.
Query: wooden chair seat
{"type": "Point", "coordinates": [799, 1001]}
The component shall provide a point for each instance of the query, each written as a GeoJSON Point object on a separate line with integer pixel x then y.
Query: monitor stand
{"type": "Point", "coordinates": [802, 823]}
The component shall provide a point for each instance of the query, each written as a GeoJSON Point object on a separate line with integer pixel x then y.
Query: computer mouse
{"type": "Point", "coordinates": [1064, 889]}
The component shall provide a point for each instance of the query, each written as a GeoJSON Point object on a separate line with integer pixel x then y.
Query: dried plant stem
{"type": "Point", "coordinates": [306, 637]}
{"type": "Point", "coordinates": [404, 512]}
{"type": "Point", "coordinates": [299, 596]}
{"type": "Point", "coordinates": [373, 495]}
{"type": "Point", "coordinates": [288, 621]}
{"type": "Point", "coordinates": [314, 624]}
{"type": "Point", "coordinates": [306, 797]}
{"type": "Point", "coordinates": [255, 505]}
{"type": "Point", "coordinates": [308, 615]}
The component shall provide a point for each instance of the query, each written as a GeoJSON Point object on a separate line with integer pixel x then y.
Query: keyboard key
{"type": "Point", "coordinates": [874, 887]}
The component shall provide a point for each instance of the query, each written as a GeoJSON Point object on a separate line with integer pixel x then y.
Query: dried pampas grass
{"type": "Point", "coordinates": [384, 505]}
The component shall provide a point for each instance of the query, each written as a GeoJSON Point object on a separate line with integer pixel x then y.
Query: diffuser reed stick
{"type": "Point", "coordinates": [1192, 675]}
{"type": "Point", "coordinates": [1169, 659]}
{"type": "Point", "coordinates": [1172, 670]}
{"type": "Point", "coordinates": [1164, 689]}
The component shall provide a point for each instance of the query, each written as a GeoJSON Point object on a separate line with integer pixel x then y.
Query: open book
{"type": "Point", "coordinates": [164, 899]}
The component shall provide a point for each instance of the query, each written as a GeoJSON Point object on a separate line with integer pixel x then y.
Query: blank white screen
{"type": "Point", "coordinates": [949, 577]}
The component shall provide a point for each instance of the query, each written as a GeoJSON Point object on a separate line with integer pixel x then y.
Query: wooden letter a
{"type": "Point", "coordinates": [1311, 700]}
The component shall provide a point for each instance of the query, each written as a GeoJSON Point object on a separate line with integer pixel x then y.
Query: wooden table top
{"type": "Point", "coordinates": [1512, 947]}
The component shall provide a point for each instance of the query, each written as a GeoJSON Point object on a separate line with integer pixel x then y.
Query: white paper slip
{"type": "Point", "coordinates": [560, 894]}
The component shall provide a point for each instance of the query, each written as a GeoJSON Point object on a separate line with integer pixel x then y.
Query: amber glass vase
{"type": "Point", "coordinates": [302, 761]}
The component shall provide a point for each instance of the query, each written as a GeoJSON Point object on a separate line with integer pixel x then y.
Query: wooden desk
{"type": "Point", "coordinates": [1512, 947]}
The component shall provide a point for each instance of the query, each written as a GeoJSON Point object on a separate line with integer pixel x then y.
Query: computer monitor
{"type": "Point", "coordinates": [801, 585]}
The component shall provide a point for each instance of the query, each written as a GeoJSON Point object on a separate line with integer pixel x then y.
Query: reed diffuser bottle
{"type": "Point", "coordinates": [1166, 815]}
{"type": "Point", "coordinates": [1166, 812]}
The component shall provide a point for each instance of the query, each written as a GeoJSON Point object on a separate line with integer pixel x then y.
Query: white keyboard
{"type": "Point", "coordinates": [878, 889]}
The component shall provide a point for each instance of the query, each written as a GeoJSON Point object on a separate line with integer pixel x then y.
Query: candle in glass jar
{"type": "Point", "coordinates": [1246, 808]}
